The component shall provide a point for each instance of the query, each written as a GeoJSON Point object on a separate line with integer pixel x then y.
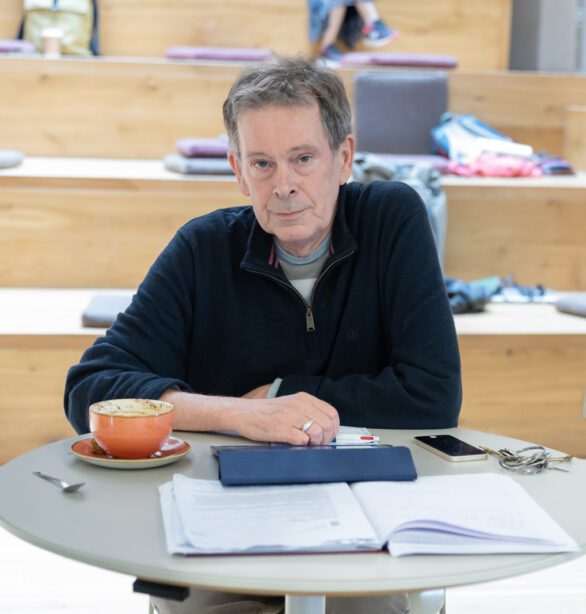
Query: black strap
{"type": "Point", "coordinates": [157, 589]}
{"type": "Point", "coordinates": [95, 41]}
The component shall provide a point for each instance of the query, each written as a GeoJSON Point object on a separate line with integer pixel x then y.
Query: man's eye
{"type": "Point", "coordinates": [260, 164]}
{"type": "Point", "coordinates": [306, 159]}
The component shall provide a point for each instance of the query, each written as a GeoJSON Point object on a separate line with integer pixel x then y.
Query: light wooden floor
{"type": "Point", "coordinates": [35, 581]}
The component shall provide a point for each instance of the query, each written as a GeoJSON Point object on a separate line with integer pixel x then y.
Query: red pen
{"type": "Point", "coordinates": [354, 439]}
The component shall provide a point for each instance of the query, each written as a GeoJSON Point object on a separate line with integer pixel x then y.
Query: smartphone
{"type": "Point", "coordinates": [450, 448]}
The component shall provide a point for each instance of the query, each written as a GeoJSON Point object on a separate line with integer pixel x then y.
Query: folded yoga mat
{"type": "Point", "coordinates": [16, 46]}
{"type": "Point", "coordinates": [202, 148]}
{"type": "Point", "coordinates": [573, 303]}
{"type": "Point", "coordinates": [235, 54]}
{"type": "Point", "coordinates": [198, 166]}
{"type": "Point", "coordinates": [412, 60]}
{"type": "Point", "coordinates": [10, 158]}
{"type": "Point", "coordinates": [103, 309]}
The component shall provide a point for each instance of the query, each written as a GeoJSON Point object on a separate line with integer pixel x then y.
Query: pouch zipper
{"type": "Point", "coordinates": [309, 319]}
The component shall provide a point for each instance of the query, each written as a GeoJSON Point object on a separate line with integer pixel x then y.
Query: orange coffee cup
{"type": "Point", "coordinates": [131, 428]}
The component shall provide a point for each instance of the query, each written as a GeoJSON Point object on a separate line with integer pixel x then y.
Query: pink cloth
{"type": "Point", "coordinates": [495, 165]}
{"type": "Point", "coordinates": [364, 58]}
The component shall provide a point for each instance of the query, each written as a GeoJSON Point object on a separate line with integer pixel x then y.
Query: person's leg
{"type": "Point", "coordinates": [367, 10]}
{"type": "Point", "coordinates": [328, 49]}
{"type": "Point", "coordinates": [335, 20]}
{"type": "Point", "coordinates": [214, 602]}
{"type": "Point", "coordinates": [202, 601]}
{"type": "Point", "coordinates": [383, 604]}
{"type": "Point", "coordinates": [375, 31]}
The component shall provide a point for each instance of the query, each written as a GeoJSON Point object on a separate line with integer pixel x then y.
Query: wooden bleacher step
{"type": "Point", "coordinates": [68, 222]}
{"type": "Point", "coordinates": [445, 27]}
{"type": "Point", "coordinates": [144, 105]}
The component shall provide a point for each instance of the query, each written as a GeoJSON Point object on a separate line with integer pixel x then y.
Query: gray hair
{"type": "Point", "coordinates": [290, 82]}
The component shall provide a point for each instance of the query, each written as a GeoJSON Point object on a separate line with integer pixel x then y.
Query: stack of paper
{"type": "Point", "coordinates": [204, 517]}
{"type": "Point", "coordinates": [452, 514]}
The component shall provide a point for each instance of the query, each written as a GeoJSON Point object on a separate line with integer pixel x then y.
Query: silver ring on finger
{"type": "Point", "coordinates": [307, 425]}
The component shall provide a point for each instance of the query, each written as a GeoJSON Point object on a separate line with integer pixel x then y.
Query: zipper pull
{"type": "Point", "coordinates": [309, 321]}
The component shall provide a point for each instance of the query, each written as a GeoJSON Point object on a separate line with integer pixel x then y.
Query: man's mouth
{"type": "Point", "coordinates": [289, 215]}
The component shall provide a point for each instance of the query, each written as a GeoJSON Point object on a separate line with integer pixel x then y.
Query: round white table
{"type": "Point", "coordinates": [115, 522]}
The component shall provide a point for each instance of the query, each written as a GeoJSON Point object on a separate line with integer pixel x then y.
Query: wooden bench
{"type": "Point", "coordinates": [123, 108]}
{"type": "Point", "coordinates": [524, 374]}
{"type": "Point", "coordinates": [96, 223]}
{"type": "Point", "coordinates": [533, 228]}
{"type": "Point", "coordinates": [40, 338]}
{"type": "Point", "coordinates": [67, 222]}
{"type": "Point", "coordinates": [574, 145]}
{"type": "Point", "coordinates": [477, 32]}
{"type": "Point", "coordinates": [524, 369]}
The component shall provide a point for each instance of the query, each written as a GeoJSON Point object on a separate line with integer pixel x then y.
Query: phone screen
{"type": "Point", "coordinates": [449, 445]}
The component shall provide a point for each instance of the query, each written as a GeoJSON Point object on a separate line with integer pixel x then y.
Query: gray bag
{"type": "Point", "coordinates": [422, 177]}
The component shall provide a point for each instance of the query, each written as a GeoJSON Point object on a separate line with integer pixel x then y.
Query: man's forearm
{"type": "Point", "coordinates": [198, 412]}
{"type": "Point", "coordinates": [298, 419]}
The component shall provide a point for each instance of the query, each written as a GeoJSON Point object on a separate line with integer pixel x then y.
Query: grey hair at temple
{"type": "Point", "coordinates": [291, 82]}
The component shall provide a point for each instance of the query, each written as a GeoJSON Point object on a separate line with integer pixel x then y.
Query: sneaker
{"type": "Point", "coordinates": [378, 34]}
{"type": "Point", "coordinates": [331, 53]}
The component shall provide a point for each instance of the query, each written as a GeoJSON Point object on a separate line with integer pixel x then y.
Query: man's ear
{"type": "Point", "coordinates": [346, 153]}
{"type": "Point", "coordinates": [238, 172]}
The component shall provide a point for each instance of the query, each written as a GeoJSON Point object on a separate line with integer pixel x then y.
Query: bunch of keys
{"type": "Point", "coordinates": [529, 460]}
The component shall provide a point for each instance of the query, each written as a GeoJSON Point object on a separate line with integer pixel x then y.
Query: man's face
{"type": "Point", "coordinates": [290, 173]}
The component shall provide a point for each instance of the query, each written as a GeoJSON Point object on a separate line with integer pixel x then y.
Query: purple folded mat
{"type": "Point", "coordinates": [16, 46]}
{"type": "Point", "coordinates": [238, 54]}
{"type": "Point", "coordinates": [202, 148]}
{"type": "Point", "coordinates": [364, 58]}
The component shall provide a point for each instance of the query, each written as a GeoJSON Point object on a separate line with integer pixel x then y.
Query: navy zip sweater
{"type": "Point", "coordinates": [216, 315]}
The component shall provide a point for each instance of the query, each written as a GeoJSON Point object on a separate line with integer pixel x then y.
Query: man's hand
{"type": "Point", "coordinates": [281, 419]}
{"type": "Point", "coordinates": [254, 416]}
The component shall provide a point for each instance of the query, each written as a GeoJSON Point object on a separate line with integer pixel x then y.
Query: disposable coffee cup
{"type": "Point", "coordinates": [52, 38]}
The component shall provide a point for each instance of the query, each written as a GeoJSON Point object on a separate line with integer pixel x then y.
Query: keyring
{"type": "Point", "coordinates": [529, 460]}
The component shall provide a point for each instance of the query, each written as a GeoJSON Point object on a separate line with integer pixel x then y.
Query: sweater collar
{"type": "Point", "coordinates": [261, 253]}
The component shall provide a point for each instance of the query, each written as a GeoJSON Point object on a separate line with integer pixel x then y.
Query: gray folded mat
{"type": "Point", "coordinates": [573, 303]}
{"type": "Point", "coordinates": [10, 158]}
{"type": "Point", "coordinates": [198, 166]}
{"type": "Point", "coordinates": [103, 309]}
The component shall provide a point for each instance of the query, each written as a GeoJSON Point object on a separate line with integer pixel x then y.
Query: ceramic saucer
{"type": "Point", "coordinates": [171, 452]}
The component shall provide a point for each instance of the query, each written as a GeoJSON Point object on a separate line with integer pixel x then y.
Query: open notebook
{"type": "Point", "coordinates": [452, 514]}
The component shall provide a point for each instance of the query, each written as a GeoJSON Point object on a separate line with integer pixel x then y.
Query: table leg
{"type": "Point", "coordinates": [305, 604]}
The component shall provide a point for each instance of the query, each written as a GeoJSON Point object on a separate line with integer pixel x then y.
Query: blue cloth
{"type": "Point", "coordinates": [214, 316]}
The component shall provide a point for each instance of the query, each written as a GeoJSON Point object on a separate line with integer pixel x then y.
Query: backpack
{"type": "Point", "coordinates": [78, 19]}
{"type": "Point", "coordinates": [464, 137]}
{"type": "Point", "coordinates": [423, 177]}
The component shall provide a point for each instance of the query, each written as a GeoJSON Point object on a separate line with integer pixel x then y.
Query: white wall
{"type": "Point", "coordinates": [545, 35]}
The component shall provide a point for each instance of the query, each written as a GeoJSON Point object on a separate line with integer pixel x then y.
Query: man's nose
{"type": "Point", "coordinates": [285, 184]}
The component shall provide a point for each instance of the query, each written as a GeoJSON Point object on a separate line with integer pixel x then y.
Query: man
{"type": "Point", "coordinates": [321, 303]}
